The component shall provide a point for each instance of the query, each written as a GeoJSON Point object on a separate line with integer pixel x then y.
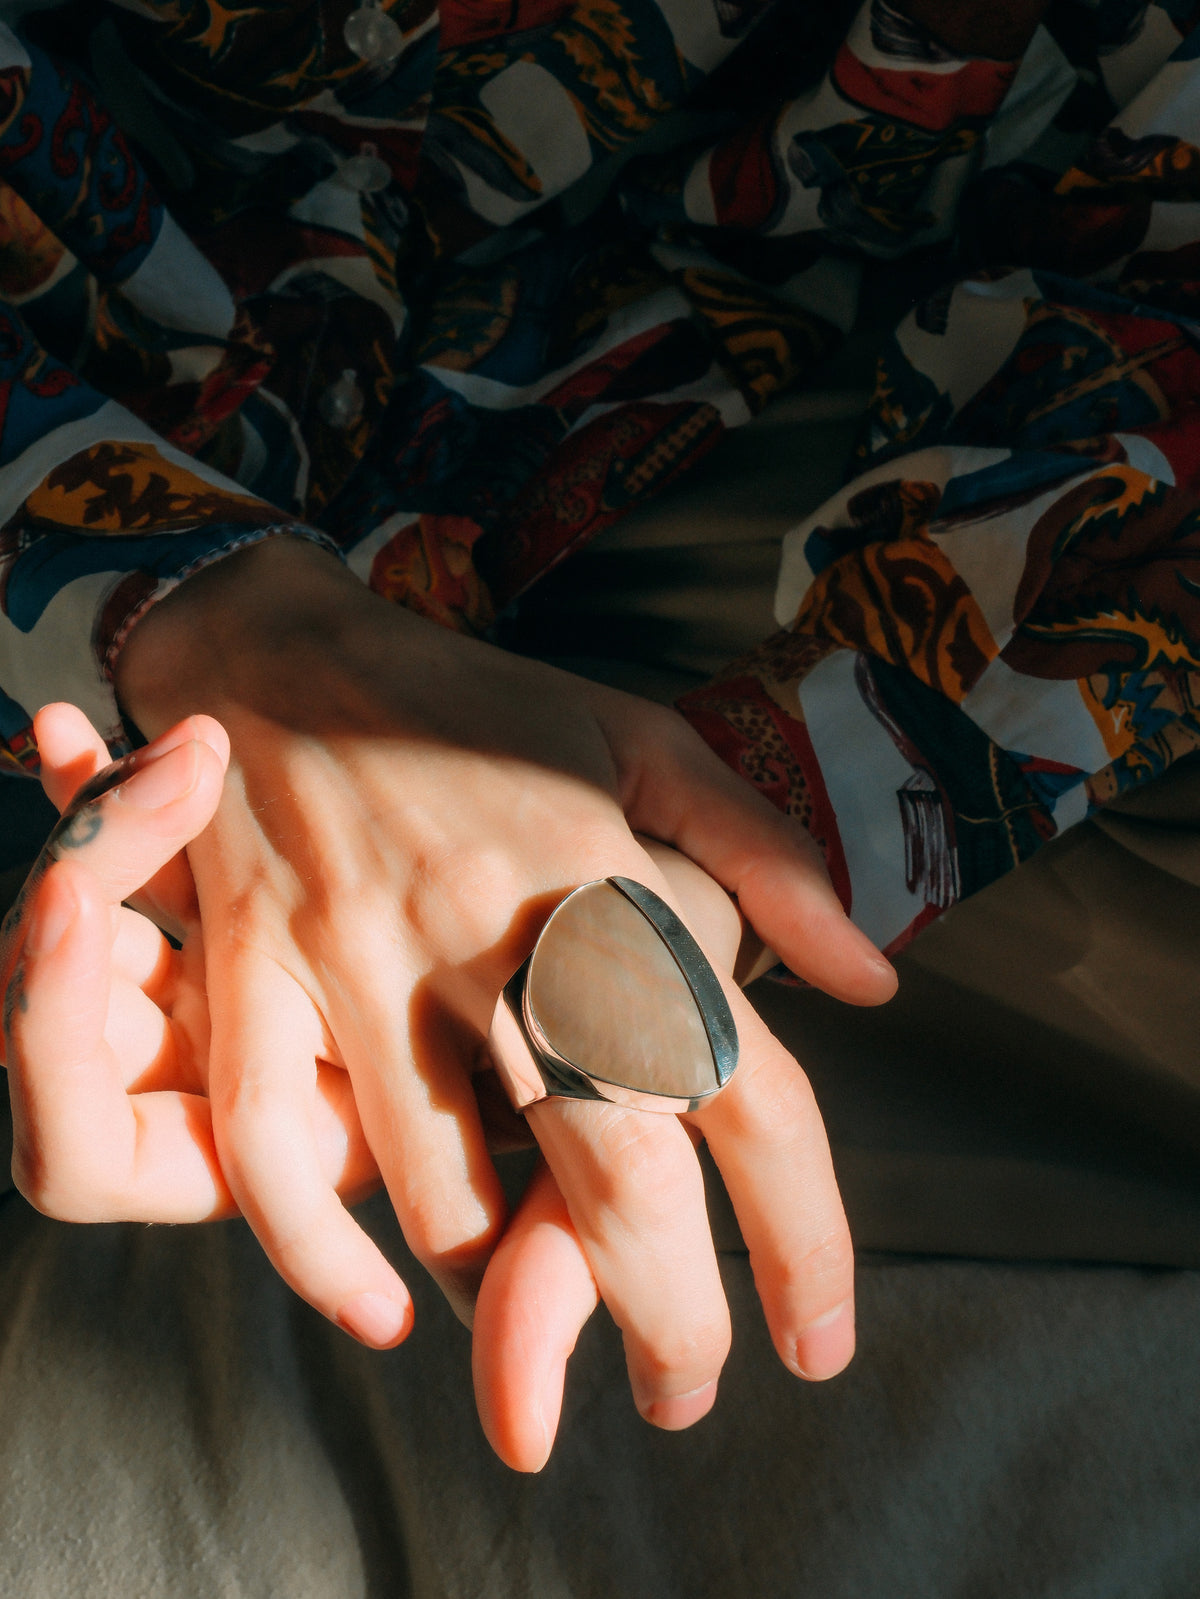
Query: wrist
{"type": "Point", "coordinates": [257, 631]}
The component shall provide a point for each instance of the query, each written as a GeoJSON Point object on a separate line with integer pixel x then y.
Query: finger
{"type": "Point", "coordinates": [346, 1158]}
{"type": "Point", "coordinates": [265, 1042]}
{"type": "Point", "coordinates": [83, 1150]}
{"type": "Point", "coordinates": [130, 821]}
{"type": "Point", "coordinates": [537, 1294]}
{"type": "Point", "coordinates": [70, 750]}
{"type": "Point", "coordinates": [767, 1137]}
{"type": "Point", "coordinates": [74, 758]}
{"type": "Point", "coordinates": [139, 1036]}
{"type": "Point", "coordinates": [140, 953]}
{"type": "Point", "coordinates": [771, 1143]}
{"type": "Point", "coordinates": [677, 790]}
{"type": "Point", "coordinates": [635, 1195]}
{"type": "Point", "coordinates": [413, 1088]}
{"type": "Point", "coordinates": [709, 911]}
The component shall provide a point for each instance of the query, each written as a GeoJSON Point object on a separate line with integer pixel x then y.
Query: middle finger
{"type": "Point", "coordinates": [635, 1194]}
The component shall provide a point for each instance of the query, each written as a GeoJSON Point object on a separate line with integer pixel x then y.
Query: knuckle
{"type": "Point", "coordinates": [774, 1108]}
{"type": "Point", "coordinates": [449, 1233]}
{"type": "Point", "coordinates": [662, 725]}
{"type": "Point", "coordinates": [32, 1177]}
{"type": "Point", "coordinates": [695, 1352]}
{"type": "Point", "coordinates": [824, 1271]}
{"type": "Point", "coordinates": [644, 1173]}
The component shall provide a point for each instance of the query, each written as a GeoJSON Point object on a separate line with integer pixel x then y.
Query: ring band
{"type": "Point", "coordinates": [616, 1001]}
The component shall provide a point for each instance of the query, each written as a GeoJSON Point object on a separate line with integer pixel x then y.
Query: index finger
{"type": "Point", "coordinates": [679, 791]}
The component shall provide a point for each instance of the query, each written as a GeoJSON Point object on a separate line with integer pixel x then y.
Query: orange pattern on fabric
{"type": "Point", "coordinates": [1143, 758]}
{"type": "Point", "coordinates": [763, 343]}
{"type": "Point", "coordinates": [903, 601]}
{"type": "Point", "coordinates": [30, 254]}
{"type": "Point", "coordinates": [427, 566]}
{"type": "Point", "coordinates": [1172, 169]}
{"type": "Point", "coordinates": [1131, 489]}
{"type": "Point", "coordinates": [131, 488]}
{"type": "Point", "coordinates": [601, 42]}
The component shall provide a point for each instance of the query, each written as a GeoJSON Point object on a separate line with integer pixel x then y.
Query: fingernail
{"type": "Point", "coordinates": [375, 1320]}
{"type": "Point", "coordinates": [547, 1437]}
{"type": "Point", "coordinates": [163, 778]}
{"type": "Point", "coordinates": [826, 1344]}
{"type": "Point", "coordinates": [680, 1410]}
{"type": "Point", "coordinates": [53, 911]}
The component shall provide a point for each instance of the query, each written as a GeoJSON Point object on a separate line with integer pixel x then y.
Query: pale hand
{"type": "Point", "coordinates": [403, 808]}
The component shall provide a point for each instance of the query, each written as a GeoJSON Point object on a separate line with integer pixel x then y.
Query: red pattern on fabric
{"type": "Point", "coordinates": [798, 789]}
{"type": "Point", "coordinates": [46, 384]}
{"type": "Point", "coordinates": [595, 475]}
{"type": "Point", "coordinates": [1174, 361]}
{"type": "Point", "coordinates": [12, 91]}
{"type": "Point", "coordinates": [590, 383]}
{"type": "Point", "coordinates": [31, 136]}
{"type": "Point", "coordinates": [221, 394]}
{"type": "Point", "coordinates": [742, 176]}
{"type": "Point", "coordinates": [468, 21]}
{"type": "Point", "coordinates": [66, 161]}
{"type": "Point", "coordinates": [1179, 440]}
{"type": "Point", "coordinates": [426, 566]}
{"type": "Point", "coordinates": [934, 101]}
{"type": "Point", "coordinates": [22, 747]}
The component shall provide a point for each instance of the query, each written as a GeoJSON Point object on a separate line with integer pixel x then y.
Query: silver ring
{"type": "Point", "coordinates": [616, 1001]}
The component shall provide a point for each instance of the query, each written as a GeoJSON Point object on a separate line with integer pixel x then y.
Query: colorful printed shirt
{"type": "Point", "coordinates": [380, 275]}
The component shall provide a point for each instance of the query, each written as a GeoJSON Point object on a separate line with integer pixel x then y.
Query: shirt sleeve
{"type": "Point", "coordinates": [993, 630]}
{"type": "Point", "coordinates": [99, 519]}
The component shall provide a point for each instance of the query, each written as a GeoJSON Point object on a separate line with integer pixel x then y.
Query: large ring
{"type": "Point", "coordinates": [616, 1002]}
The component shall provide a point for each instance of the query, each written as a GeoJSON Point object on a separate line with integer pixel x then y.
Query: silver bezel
{"type": "Point", "coordinates": [532, 1069]}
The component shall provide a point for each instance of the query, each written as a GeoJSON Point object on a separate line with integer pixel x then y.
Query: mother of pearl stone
{"type": "Point", "coordinates": [608, 995]}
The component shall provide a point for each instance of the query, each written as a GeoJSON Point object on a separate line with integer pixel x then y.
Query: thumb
{"type": "Point", "coordinates": [129, 820]}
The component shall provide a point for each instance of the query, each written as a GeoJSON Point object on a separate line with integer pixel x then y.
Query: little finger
{"type": "Point", "coordinates": [767, 1137]}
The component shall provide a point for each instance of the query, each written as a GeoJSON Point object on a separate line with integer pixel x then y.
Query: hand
{"type": "Point", "coordinates": [539, 1291]}
{"type": "Point", "coordinates": [403, 809]}
{"type": "Point", "coordinates": [106, 1025]}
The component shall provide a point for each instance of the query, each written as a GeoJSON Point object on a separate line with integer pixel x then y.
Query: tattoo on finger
{"type": "Point", "coordinates": [77, 829]}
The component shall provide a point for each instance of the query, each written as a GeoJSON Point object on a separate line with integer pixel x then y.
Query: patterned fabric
{"type": "Point", "coordinates": [342, 312]}
{"type": "Point", "coordinates": [322, 281]}
{"type": "Point", "coordinates": [995, 628]}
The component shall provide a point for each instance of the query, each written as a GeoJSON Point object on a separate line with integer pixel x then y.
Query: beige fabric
{"type": "Point", "coordinates": [173, 1425]}
{"type": "Point", "coordinates": [1034, 1090]}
